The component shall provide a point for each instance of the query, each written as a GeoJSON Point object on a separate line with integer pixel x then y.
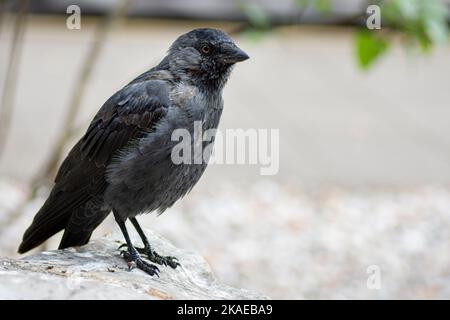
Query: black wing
{"type": "Point", "coordinates": [127, 115]}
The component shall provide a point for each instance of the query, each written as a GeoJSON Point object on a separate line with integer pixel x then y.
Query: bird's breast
{"type": "Point", "coordinates": [182, 94]}
{"type": "Point", "coordinates": [147, 178]}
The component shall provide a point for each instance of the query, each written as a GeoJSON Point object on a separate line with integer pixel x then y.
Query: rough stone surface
{"type": "Point", "coordinates": [96, 271]}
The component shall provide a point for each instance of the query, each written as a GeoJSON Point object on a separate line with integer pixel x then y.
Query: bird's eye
{"type": "Point", "coordinates": [206, 49]}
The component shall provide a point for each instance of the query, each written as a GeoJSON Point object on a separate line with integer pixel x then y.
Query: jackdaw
{"type": "Point", "coordinates": [123, 162]}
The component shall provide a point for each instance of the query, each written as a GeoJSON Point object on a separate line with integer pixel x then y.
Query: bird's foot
{"type": "Point", "coordinates": [134, 260]}
{"type": "Point", "coordinates": [155, 257]}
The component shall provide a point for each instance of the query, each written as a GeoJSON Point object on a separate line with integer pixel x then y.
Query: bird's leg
{"type": "Point", "coordinates": [151, 254]}
{"type": "Point", "coordinates": [131, 255]}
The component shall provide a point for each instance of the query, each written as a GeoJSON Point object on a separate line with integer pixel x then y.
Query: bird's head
{"type": "Point", "coordinates": [205, 56]}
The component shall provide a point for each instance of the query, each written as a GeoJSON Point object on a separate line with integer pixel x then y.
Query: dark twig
{"type": "Point", "coordinates": [75, 102]}
{"type": "Point", "coordinates": [2, 13]}
{"type": "Point", "coordinates": [9, 87]}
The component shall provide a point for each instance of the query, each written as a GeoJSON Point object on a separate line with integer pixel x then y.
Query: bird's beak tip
{"type": "Point", "coordinates": [241, 55]}
{"type": "Point", "coordinates": [234, 54]}
{"type": "Point", "coordinates": [246, 57]}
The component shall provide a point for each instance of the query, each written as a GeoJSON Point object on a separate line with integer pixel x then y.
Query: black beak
{"type": "Point", "coordinates": [230, 53]}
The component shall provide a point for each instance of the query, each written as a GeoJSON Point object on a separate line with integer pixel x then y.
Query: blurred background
{"type": "Point", "coordinates": [363, 116]}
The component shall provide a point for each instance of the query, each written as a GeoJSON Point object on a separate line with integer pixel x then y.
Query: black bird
{"type": "Point", "coordinates": [123, 162]}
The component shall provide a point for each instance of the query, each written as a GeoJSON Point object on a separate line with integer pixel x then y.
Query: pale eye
{"type": "Point", "coordinates": [206, 49]}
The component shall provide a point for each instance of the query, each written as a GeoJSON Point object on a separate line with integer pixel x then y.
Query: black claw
{"type": "Point", "coordinates": [174, 264]}
{"type": "Point", "coordinates": [135, 261]}
{"type": "Point", "coordinates": [165, 261]}
{"type": "Point", "coordinates": [151, 269]}
{"type": "Point", "coordinates": [152, 255]}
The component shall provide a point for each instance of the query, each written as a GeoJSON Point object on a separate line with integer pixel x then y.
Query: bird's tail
{"type": "Point", "coordinates": [45, 225]}
{"type": "Point", "coordinates": [51, 218]}
{"type": "Point", "coordinates": [82, 223]}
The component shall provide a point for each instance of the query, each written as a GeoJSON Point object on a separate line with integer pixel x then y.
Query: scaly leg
{"type": "Point", "coordinates": [151, 254]}
{"type": "Point", "coordinates": [132, 256]}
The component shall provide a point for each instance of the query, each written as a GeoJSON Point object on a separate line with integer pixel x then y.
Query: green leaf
{"type": "Point", "coordinates": [369, 47]}
{"type": "Point", "coordinates": [437, 31]}
{"type": "Point", "coordinates": [323, 6]}
{"type": "Point", "coordinates": [434, 20]}
{"type": "Point", "coordinates": [410, 9]}
{"type": "Point", "coordinates": [254, 35]}
{"type": "Point", "coordinates": [303, 3]}
{"type": "Point", "coordinates": [421, 21]}
{"type": "Point", "coordinates": [257, 16]}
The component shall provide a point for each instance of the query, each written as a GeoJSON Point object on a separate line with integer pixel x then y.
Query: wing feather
{"type": "Point", "coordinates": [128, 115]}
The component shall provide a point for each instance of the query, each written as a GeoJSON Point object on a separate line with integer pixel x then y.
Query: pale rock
{"type": "Point", "coordinates": [96, 271]}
